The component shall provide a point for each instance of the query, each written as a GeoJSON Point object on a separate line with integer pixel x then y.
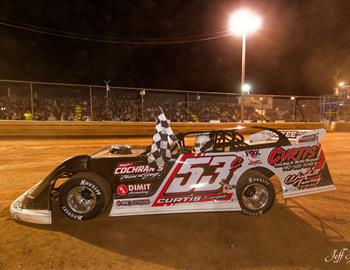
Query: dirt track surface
{"type": "Point", "coordinates": [296, 234]}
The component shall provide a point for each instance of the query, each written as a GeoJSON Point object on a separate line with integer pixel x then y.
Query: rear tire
{"type": "Point", "coordinates": [255, 193]}
{"type": "Point", "coordinates": [84, 196]}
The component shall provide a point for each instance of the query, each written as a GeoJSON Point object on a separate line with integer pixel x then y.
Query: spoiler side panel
{"type": "Point", "coordinates": [302, 169]}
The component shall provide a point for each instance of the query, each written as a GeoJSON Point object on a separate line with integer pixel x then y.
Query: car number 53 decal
{"type": "Point", "coordinates": [199, 179]}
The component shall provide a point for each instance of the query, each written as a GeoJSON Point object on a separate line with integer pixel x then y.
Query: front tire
{"type": "Point", "coordinates": [255, 193]}
{"type": "Point", "coordinates": [84, 196]}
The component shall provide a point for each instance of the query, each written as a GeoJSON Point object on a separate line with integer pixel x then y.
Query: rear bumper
{"type": "Point", "coordinates": [29, 215]}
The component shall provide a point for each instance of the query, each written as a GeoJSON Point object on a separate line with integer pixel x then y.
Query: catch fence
{"type": "Point", "coordinates": [69, 102]}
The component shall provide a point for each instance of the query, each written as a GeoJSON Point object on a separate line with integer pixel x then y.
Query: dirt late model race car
{"type": "Point", "coordinates": [208, 171]}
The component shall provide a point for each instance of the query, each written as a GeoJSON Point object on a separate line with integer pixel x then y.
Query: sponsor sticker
{"type": "Point", "coordinates": [172, 200]}
{"type": "Point", "coordinates": [132, 202]}
{"type": "Point", "coordinates": [254, 157]}
{"type": "Point", "coordinates": [292, 134]}
{"type": "Point", "coordinates": [294, 158]}
{"type": "Point", "coordinates": [302, 180]}
{"type": "Point", "coordinates": [308, 138]}
{"type": "Point", "coordinates": [254, 162]}
{"type": "Point", "coordinates": [123, 190]}
{"type": "Point", "coordinates": [142, 176]}
{"type": "Point", "coordinates": [134, 170]}
{"type": "Point", "coordinates": [252, 153]}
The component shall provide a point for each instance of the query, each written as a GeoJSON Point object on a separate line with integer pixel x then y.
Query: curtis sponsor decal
{"type": "Point", "coordinates": [190, 199]}
{"type": "Point", "coordinates": [294, 158]}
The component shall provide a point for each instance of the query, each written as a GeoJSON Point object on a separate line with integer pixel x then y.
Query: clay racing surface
{"type": "Point", "coordinates": [296, 234]}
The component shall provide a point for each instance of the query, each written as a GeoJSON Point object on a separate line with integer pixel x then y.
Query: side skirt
{"type": "Point", "coordinates": [311, 191]}
{"type": "Point", "coordinates": [167, 210]}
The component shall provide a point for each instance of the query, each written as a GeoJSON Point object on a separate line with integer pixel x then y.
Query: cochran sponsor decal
{"type": "Point", "coordinates": [294, 158]}
{"type": "Point", "coordinates": [199, 179]}
{"type": "Point", "coordinates": [134, 170]}
{"type": "Point", "coordinates": [124, 190]}
{"type": "Point", "coordinates": [142, 176]}
{"type": "Point", "coordinates": [132, 202]}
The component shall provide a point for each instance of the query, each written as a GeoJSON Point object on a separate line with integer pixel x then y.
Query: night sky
{"type": "Point", "coordinates": [300, 48]}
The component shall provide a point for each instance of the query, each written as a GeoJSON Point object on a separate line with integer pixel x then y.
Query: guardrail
{"type": "Point", "coordinates": [115, 129]}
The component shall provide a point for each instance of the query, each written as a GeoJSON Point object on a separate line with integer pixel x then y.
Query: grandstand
{"type": "Point", "coordinates": [336, 107]}
{"type": "Point", "coordinates": [71, 102]}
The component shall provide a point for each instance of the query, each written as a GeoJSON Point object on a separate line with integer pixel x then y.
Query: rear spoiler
{"type": "Point", "coordinates": [296, 136]}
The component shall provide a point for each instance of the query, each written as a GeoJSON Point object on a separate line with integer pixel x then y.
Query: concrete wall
{"type": "Point", "coordinates": [340, 126]}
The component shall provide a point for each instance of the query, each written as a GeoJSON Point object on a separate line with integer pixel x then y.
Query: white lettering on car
{"type": "Point", "coordinates": [191, 178]}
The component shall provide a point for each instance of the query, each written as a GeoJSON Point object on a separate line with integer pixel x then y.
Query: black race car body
{"type": "Point", "coordinates": [232, 175]}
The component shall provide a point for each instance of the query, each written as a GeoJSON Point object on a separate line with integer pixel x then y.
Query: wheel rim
{"type": "Point", "coordinates": [81, 199]}
{"type": "Point", "coordinates": [255, 196]}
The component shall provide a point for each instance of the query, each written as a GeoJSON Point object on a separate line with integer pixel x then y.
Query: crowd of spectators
{"type": "Point", "coordinates": [133, 107]}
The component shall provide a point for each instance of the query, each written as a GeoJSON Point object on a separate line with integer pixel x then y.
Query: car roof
{"type": "Point", "coordinates": [282, 138]}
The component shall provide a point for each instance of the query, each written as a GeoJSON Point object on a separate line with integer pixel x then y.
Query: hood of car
{"type": "Point", "coordinates": [117, 151]}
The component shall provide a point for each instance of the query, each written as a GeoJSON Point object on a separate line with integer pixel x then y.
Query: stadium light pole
{"type": "Point", "coordinates": [242, 23]}
{"type": "Point", "coordinates": [293, 99]}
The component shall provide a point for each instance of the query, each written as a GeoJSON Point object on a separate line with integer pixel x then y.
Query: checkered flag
{"type": "Point", "coordinates": [163, 139]}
